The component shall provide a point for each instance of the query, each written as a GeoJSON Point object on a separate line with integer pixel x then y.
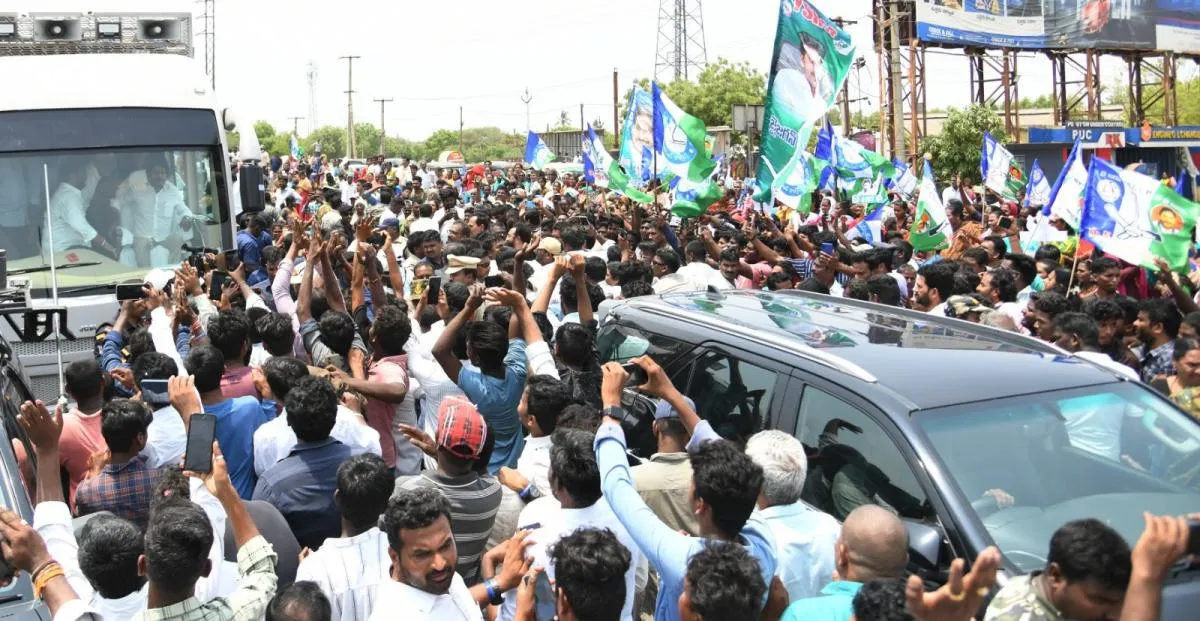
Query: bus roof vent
{"type": "Point", "coordinates": [42, 34]}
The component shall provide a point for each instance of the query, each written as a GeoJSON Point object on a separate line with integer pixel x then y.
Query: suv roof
{"type": "Point", "coordinates": [924, 360]}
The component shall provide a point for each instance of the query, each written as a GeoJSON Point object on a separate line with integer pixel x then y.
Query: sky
{"type": "Point", "coordinates": [433, 57]}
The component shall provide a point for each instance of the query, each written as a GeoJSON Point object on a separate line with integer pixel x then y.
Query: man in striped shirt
{"type": "Point", "coordinates": [474, 498]}
{"type": "Point", "coordinates": [348, 569]}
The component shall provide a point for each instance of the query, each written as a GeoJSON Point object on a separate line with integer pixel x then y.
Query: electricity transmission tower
{"type": "Point", "coordinates": [681, 51]}
{"type": "Point", "coordinates": [312, 96]}
{"type": "Point", "coordinates": [208, 22]}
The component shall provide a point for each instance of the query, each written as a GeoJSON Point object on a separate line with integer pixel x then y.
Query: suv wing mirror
{"type": "Point", "coordinates": [924, 545]}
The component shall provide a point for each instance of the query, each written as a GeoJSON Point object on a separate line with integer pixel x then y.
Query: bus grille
{"type": "Point", "coordinates": [49, 348]}
{"type": "Point", "coordinates": [45, 387]}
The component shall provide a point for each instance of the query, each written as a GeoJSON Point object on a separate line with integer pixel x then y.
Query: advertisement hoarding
{"type": "Point", "coordinates": [1169, 25]}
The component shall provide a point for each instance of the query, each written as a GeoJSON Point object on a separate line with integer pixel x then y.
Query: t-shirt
{"type": "Point", "coordinates": [80, 439]}
{"type": "Point", "coordinates": [239, 383]}
{"type": "Point", "coordinates": [1022, 600]}
{"type": "Point", "coordinates": [497, 400]}
{"type": "Point", "coordinates": [237, 419]}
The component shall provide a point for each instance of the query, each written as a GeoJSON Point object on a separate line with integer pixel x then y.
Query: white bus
{"type": "Point", "coordinates": [112, 158]}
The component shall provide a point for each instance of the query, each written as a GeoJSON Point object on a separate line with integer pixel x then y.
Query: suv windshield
{"type": "Point", "coordinates": [113, 213]}
{"type": "Point", "coordinates": [1108, 452]}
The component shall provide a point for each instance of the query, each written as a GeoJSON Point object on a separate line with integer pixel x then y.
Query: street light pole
{"type": "Point", "coordinates": [382, 134]}
{"type": "Point", "coordinates": [526, 98]}
{"type": "Point", "coordinates": [350, 142]}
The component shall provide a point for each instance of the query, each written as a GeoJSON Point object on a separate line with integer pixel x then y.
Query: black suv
{"type": "Point", "coordinates": [928, 415]}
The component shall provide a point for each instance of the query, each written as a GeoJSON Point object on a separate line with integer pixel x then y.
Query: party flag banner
{"type": "Point", "coordinates": [931, 228]}
{"type": "Point", "coordinates": [795, 184]}
{"type": "Point", "coordinates": [904, 181]}
{"type": "Point", "coordinates": [1135, 218]}
{"type": "Point", "coordinates": [1038, 193]}
{"type": "Point", "coordinates": [1066, 197]}
{"type": "Point", "coordinates": [680, 143]}
{"type": "Point", "coordinates": [1000, 175]}
{"type": "Point", "coordinates": [600, 169]}
{"type": "Point", "coordinates": [536, 152]}
{"type": "Point", "coordinates": [637, 137]}
{"type": "Point", "coordinates": [811, 60]}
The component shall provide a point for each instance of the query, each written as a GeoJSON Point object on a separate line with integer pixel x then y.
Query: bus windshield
{"type": "Point", "coordinates": [106, 215]}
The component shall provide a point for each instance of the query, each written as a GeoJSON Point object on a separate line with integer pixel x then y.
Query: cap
{"type": "Point", "coordinates": [664, 409]}
{"type": "Point", "coordinates": [551, 245]}
{"type": "Point", "coordinates": [959, 306]}
{"type": "Point", "coordinates": [456, 264]}
{"type": "Point", "coordinates": [387, 222]}
{"type": "Point", "coordinates": [461, 429]}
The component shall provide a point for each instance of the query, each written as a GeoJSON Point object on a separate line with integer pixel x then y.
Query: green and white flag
{"type": "Point", "coordinates": [1136, 218]}
{"type": "Point", "coordinates": [600, 169]}
{"type": "Point", "coordinates": [1000, 174]}
{"type": "Point", "coordinates": [931, 228]}
{"type": "Point", "coordinates": [811, 61]}
{"type": "Point", "coordinates": [794, 185]}
{"type": "Point", "coordinates": [680, 143]}
{"type": "Point", "coordinates": [858, 165]}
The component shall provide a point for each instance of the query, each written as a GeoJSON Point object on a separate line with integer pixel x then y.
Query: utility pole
{"type": "Point", "coordinates": [460, 133]}
{"type": "Point", "coordinates": [615, 128]}
{"type": "Point", "coordinates": [525, 99]}
{"type": "Point", "coordinates": [898, 150]}
{"type": "Point", "coordinates": [351, 146]}
{"type": "Point", "coordinates": [296, 124]}
{"type": "Point", "coordinates": [845, 94]}
{"type": "Point", "coordinates": [382, 134]}
{"type": "Point", "coordinates": [582, 126]}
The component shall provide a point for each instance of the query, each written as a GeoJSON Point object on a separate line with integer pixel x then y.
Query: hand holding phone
{"type": "Point", "coordinates": [637, 375]}
{"type": "Point", "coordinates": [827, 248]}
{"type": "Point", "coordinates": [133, 291]}
{"type": "Point", "coordinates": [434, 290]}
{"type": "Point", "coordinates": [199, 455]}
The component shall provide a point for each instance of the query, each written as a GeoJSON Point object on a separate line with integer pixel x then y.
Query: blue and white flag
{"type": "Point", "coordinates": [1038, 192]}
{"type": "Point", "coordinates": [1136, 218]}
{"type": "Point", "coordinates": [637, 138]}
{"type": "Point", "coordinates": [536, 152]}
{"type": "Point", "coordinates": [904, 182]}
{"type": "Point", "coordinates": [294, 147]}
{"type": "Point", "coordinates": [1066, 197]}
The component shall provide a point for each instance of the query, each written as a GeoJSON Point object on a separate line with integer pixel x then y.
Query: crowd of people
{"type": "Point", "coordinates": [412, 419]}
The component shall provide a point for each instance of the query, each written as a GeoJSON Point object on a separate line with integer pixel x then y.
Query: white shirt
{"type": "Point", "coordinates": [166, 438]}
{"type": "Point", "coordinates": [939, 310]}
{"type": "Point", "coordinates": [68, 219]}
{"type": "Point", "coordinates": [149, 213]}
{"type": "Point", "coordinates": [275, 439]}
{"type": "Point", "coordinates": [702, 276]}
{"type": "Point", "coordinates": [534, 463]}
{"type": "Point", "coordinates": [428, 180]}
{"type": "Point", "coordinates": [422, 224]}
{"type": "Point", "coordinates": [434, 382]}
{"type": "Point", "coordinates": [1108, 363]}
{"type": "Point", "coordinates": [395, 600]}
{"type": "Point", "coordinates": [1014, 311]}
{"type": "Point", "coordinates": [948, 193]}
{"type": "Point", "coordinates": [349, 570]}
{"type": "Point", "coordinates": [556, 524]}
{"type": "Point", "coordinates": [804, 547]}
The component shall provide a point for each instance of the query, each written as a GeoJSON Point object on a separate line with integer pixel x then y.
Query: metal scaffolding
{"type": "Point", "coordinates": [1160, 68]}
{"type": "Point", "coordinates": [1075, 85]}
{"type": "Point", "coordinates": [994, 84]}
{"type": "Point", "coordinates": [681, 52]}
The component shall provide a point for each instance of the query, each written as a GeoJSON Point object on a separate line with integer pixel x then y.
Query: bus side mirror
{"type": "Point", "coordinates": [252, 188]}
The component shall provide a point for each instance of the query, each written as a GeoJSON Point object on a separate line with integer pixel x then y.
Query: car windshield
{"type": "Point", "coordinates": [113, 213]}
{"type": "Point", "coordinates": [1030, 464]}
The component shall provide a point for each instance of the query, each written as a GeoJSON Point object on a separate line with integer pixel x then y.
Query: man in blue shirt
{"type": "Point", "coordinates": [873, 546]}
{"type": "Point", "coordinates": [301, 485]}
{"type": "Point", "coordinates": [251, 240]}
{"type": "Point", "coordinates": [495, 380]}
{"type": "Point", "coordinates": [237, 418]}
{"type": "Point", "coordinates": [725, 485]}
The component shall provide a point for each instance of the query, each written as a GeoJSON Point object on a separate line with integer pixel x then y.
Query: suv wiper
{"type": "Point", "coordinates": [46, 268]}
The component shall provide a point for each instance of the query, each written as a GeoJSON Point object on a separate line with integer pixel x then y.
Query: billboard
{"type": "Point", "coordinates": [1168, 25]}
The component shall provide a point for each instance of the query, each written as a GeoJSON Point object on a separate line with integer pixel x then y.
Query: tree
{"type": "Point", "coordinates": [717, 89]}
{"type": "Point", "coordinates": [1187, 101]}
{"type": "Point", "coordinates": [1041, 101]}
{"type": "Point", "coordinates": [957, 148]}
{"type": "Point", "coordinates": [366, 137]}
{"type": "Point", "coordinates": [332, 139]}
{"type": "Point", "coordinates": [264, 131]}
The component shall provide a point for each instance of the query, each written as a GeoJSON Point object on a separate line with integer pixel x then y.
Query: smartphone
{"type": "Point", "coordinates": [231, 260]}
{"type": "Point", "coordinates": [1005, 222]}
{"type": "Point", "coordinates": [493, 281]}
{"type": "Point", "coordinates": [130, 292]}
{"type": "Point", "coordinates": [1193, 545]}
{"type": "Point", "coordinates": [543, 594]}
{"type": "Point", "coordinates": [827, 248]}
{"type": "Point", "coordinates": [155, 391]}
{"type": "Point", "coordinates": [201, 431]}
{"type": "Point", "coordinates": [433, 290]}
{"type": "Point", "coordinates": [217, 285]}
{"type": "Point", "coordinates": [637, 375]}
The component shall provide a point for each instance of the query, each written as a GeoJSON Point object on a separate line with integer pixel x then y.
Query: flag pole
{"type": "Point", "coordinates": [1074, 266]}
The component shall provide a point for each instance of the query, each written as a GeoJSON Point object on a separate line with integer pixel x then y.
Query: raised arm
{"type": "Point", "coordinates": [395, 277]}
{"type": "Point", "coordinates": [560, 267]}
{"type": "Point", "coordinates": [333, 291]}
{"type": "Point", "coordinates": [583, 301]}
{"type": "Point", "coordinates": [443, 349]}
{"type": "Point", "coordinates": [304, 304]}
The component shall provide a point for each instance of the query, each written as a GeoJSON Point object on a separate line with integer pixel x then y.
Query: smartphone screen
{"type": "Point", "coordinates": [217, 285]}
{"type": "Point", "coordinates": [231, 260]}
{"type": "Point", "coordinates": [155, 391]}
{"type": "Point", "coordinates": [543, 593]}
{"type": "Point", "coordinates": [493, 281]}
{"type": "Point", "coordinates": [201, 431]}
{"type": "Point", "coordinates": [433, 290]}
{"type": "Point", "coordinates": [129, 292]}
{"type": "Point", "coordinates": [827, 248]}
{"type": "Point", "coordinates": [637, 375]}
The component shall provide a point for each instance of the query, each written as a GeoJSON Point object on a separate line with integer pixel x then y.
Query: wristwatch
{"type": "Point", "coordinates": [494, 594]}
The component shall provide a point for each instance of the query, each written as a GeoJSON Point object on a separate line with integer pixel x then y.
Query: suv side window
{"type": "Point", "coordinates": [857, 463]}
{"type": "Point", "coordinates": [732, 395]}
{"type": "Point", "coordinates": [618, 343]}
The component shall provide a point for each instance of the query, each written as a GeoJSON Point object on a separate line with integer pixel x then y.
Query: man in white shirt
{"type": "Point", "coordinates": [275, 439]}
{"type": "Point", "coordinates": [348, 569]}
{"type": "Point", "coordinates": [423, 584]}
{"type": "Point", "coordinates": [576, 483]}
{"type": "Point", "coordinates": [153, 210]}
{"type": "Point", "coordinates": [698, 273]}
{"type": "Point", "coordinates": [805, 538]}
{"type": "Point", "coordinates": [934, 285]}
{"type": "Point", "coordinates": [166, 436]}
{"type": "Point", "coordinates": [951, 191]}
{"type": "Point", "coordinates": [544, 399]}
{"type": "Point", "coordinates": [428, 177]}
{"type": "Point", "coordinates": [68, 212]}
